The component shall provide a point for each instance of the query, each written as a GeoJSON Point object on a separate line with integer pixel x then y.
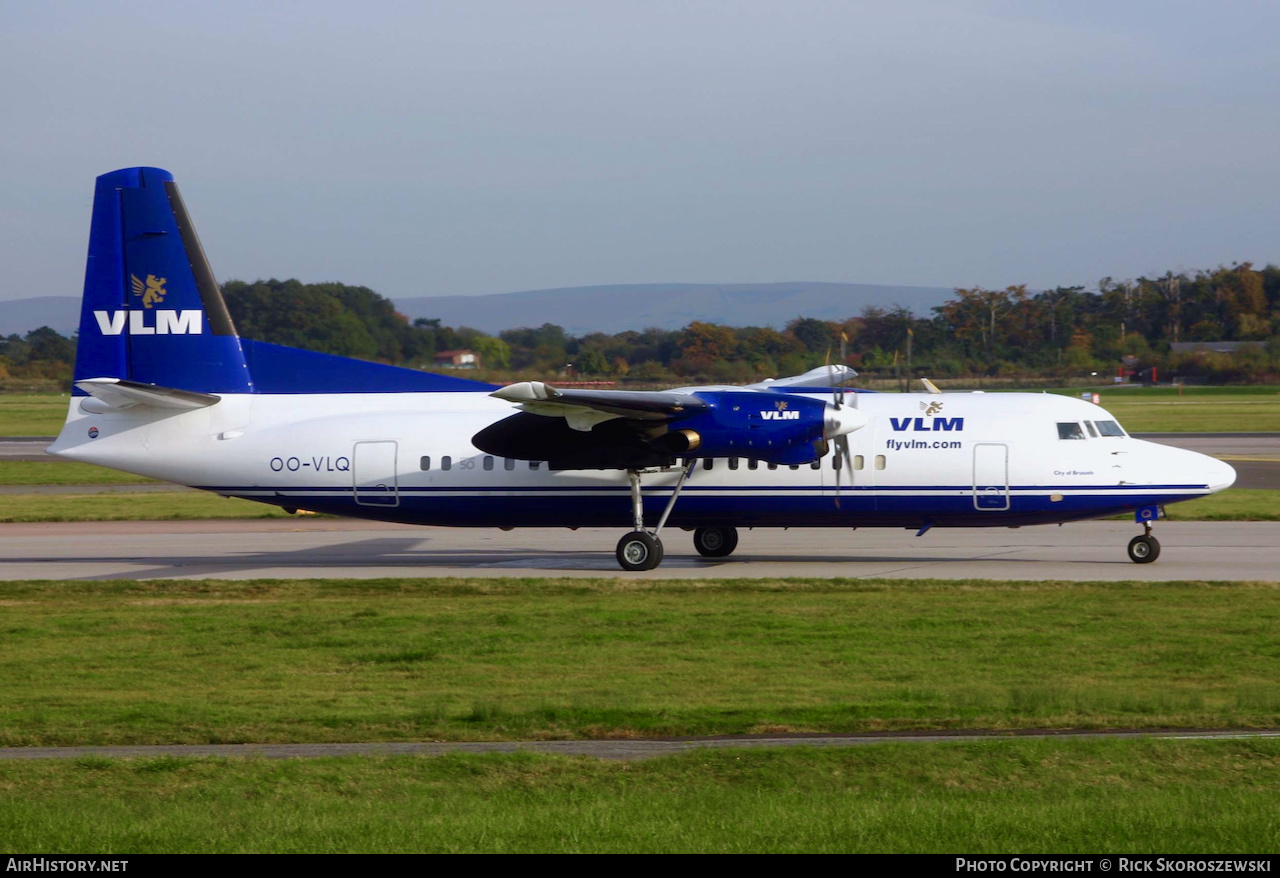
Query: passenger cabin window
{"type": "Point", "coordinates": [753, 464]}
{"type": "Point", "coordinates": [534, 464]}
{"type": "Point", "coordinates": [1093, 434]}
{"type": "Point", "coordinates": [859, 461]}
{"type": "Point", "coordinates": [508, 464]}
{"type": "Point", "coordinates": [1070, 430]}
{"type": "Point", "coordinates": [816, 464]}
{"type": "Point", "coordinates": [773, 466]}
{"type": "Point", "coordinates": [707, 462]}
{"type": "Point", "coordinates": [424, 463]}
{"type": "Point", "coordinates": [835, 461]}
{"type": "Point", "coordinates": [446, 462]}
{"type": "Point", "coordinates": [880, 461]}
{"type": "Point", "coordinates": [1109, 428]}
{"type": "Point", "coordinates": [733, 463]}
{"type": "Point", "coordinates": [488, 462]}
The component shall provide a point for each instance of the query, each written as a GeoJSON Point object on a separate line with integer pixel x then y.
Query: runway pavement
{"type": "Point", "coordinates": [337, 548]}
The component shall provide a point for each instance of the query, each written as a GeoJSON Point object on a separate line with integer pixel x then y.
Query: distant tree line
{"type": "Point", "coordinates": [1012, 333]}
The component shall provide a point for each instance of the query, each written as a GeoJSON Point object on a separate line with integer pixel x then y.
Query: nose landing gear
{"type": "Point", "coordinates": [1145, 548]}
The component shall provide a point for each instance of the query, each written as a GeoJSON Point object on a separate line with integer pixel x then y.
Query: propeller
{"type": "Point", "coordinates": [841, 425]}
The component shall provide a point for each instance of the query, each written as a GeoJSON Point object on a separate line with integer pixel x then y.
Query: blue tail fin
{"type": "Point", "coordinates": [152, 311]}
{"type": "Point", "coordinates": [153, 314]}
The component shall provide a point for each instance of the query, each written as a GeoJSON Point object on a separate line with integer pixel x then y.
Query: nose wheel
{"type": "Point", "coordinates": [1144, 549]}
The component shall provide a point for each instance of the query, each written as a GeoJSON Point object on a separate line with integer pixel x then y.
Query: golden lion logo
{"type": "Point", "coordinates": [152, 292]}
{"type": "Point", "coordinates": [931, 408]}
{"type": "Point", "coordinates": [782, 405]}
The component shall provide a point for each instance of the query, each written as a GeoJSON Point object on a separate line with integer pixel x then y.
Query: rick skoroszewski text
{"type": "Point", "coordinates": [1117, 864]}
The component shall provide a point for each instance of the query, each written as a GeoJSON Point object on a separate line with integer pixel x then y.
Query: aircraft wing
{"type": "Point", "coordinates": [583, 409]}
{"type": "Point", "coordinates": [616, 429]}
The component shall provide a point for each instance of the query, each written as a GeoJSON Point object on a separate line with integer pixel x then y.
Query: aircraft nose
{"type": "Point", "coordinates": [1220, 475]}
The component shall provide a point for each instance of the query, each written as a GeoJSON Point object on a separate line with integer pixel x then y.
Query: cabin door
{"type": "Point", "coordinates": [991, 476]}
{"type": "Point", "coordinates": [373, 474]}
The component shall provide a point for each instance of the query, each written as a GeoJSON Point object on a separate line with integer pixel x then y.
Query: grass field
{"type": "Point", "coordinates": [1235, 504]}
{"type": "Point", "coordinates": [32, 414]}
{"type": "Point", "coordinates": [212, 662]}
{"type": "Point", "coordinates": [165, 662]}
{"type": "Point", "coordinates": [60, 472]}
{"type": "Point", "coordinates": [1147, 796]}
{"type": "Point", "coordinates": [1196, 410]}
{"type": "Point", "coordinates": [178, 506]}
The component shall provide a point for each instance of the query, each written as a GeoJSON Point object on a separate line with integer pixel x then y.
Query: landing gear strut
{"type": "Point", "coordinates": [642, 549]}
{"type": "Point", "coordinates": [1144, 549]}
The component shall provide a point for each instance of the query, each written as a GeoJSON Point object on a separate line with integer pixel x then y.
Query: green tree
{"type": "Point", "coordinates": [814, 334]}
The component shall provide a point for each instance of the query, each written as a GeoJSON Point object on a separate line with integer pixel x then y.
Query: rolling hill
{"type": "Point", "coordinates": [580, 310]}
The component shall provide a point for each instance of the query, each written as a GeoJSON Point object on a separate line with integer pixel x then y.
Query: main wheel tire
{"type": "Point", "coordinates": [1144, 549]}
{"type": "Point", "coordinates": [639, 551]}
{"type": "Point", "coordinates": [715, 542]}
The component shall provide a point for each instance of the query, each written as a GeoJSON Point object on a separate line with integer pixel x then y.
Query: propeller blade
{"type": "Point", "coordinates": [839, 466]}
{"type": "Point", "coordinates": [836, 398]}
{"type": "Point", "coordinates": [844, 362]}
{"type": "Point", "coordinates": [845, 463]}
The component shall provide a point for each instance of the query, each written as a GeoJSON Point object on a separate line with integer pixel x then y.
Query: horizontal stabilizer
{"type": "Point", "coordinates": [117, 393]}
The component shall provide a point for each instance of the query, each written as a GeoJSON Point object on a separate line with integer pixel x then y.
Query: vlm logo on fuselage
{"type": "Point", "coordinates": [780, 416]}
{"type": "Point", "coordinates": [927, 425]}
{"type": "Point", "coordinates": [166, 323]}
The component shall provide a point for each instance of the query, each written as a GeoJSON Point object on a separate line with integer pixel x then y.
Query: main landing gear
{"type": "Point", "coordinates": [715, 542]}
{"type": "Point", "coordinates": [1144, 549]}
{"type": "Point", "coordinates": [642, 549]}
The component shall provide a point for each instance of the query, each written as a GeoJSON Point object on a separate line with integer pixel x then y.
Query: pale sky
{"type": "Point", "coordinates": [480, 147]}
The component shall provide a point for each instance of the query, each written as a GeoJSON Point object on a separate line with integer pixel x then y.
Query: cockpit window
{"type": "Point", "coordinates": [1093, 434]}
{"type": "Point", "coordinates": [1109, 428]}
{"type": "Point", "coordinates": [1070, 430]}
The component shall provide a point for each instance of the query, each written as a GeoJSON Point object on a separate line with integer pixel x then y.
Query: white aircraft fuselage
{"type": "Point", "coordinates": [166, 388]}
{"type": "Point", "coordinates": [984, 459]}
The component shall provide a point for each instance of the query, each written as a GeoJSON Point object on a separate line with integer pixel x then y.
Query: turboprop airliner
{"type": "Point", "coordinates": [165, 388]}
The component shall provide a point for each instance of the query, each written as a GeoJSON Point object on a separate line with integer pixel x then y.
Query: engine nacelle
{"type": "Point", "coordinates": [774, 427]}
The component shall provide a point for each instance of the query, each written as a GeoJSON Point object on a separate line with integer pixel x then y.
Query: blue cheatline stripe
{"type": "Point", "coordinates": [564, 509]}
{"type": "Point", "coordinates": [942, 490]}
